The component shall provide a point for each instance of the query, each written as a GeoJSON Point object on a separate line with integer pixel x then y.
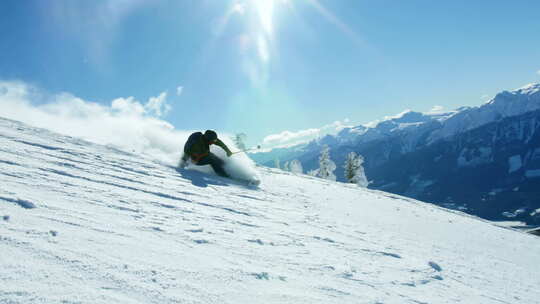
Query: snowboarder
{"type": "Point", "coordinates": [197, 148]}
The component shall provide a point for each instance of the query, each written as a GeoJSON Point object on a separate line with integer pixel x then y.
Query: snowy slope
{"type": "Point", "coordinates": [84, 223]}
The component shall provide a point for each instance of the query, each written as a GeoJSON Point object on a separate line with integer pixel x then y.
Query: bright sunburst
{"type": "Point", "coordinates": [265, 10]}
{"type": "Point", "coordinates": [257, 42]}
{"type": "Point", "coordinates": [261, 12]}
{"type": "Point", "coordinates": [258, 36]}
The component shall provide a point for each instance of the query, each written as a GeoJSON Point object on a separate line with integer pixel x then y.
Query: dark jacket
{"type": "Point", "coordinates": [197, 147]}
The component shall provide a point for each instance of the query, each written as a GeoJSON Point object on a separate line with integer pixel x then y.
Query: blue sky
{"type": "Point", "coordinates": [267, 66]}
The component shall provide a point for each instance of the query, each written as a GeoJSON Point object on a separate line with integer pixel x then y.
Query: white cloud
{"type": "Point", "coordinates": [158, 105]}
{"type": "Point", "coordinates": [126, 123]}
{"type": "Point", "coordinates": [179, 90]}
{"type": "Point", "coordinates": [484, 97]}
{"type": "Point", "coordinates": [436, 109]}
{"type": "Point", "coordinates": [538, 72]}
{"type": "Point", "coordinates": [286, 137]}
{"type": "Point", "coordinates": [289, 138]}
{"type": "Point", "coordinates": [127, 106]}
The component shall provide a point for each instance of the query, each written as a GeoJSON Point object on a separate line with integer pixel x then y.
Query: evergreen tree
{"type": "Point", "coordinates": [326, 165]}
{"type": "Point", "coordinates": [354, 171]}
{"type": "Point", "coordinates": [313, 172]}
{"type": "Point", "coordinates": [295, 166]}
{"type": "Point", "coordinates": [351, 165]}
{"type": "Point", "coordinates": [239, 140]}
{"type": "Point", "coordinates": [286, 166]}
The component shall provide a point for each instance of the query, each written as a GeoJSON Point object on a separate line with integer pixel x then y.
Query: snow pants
{"type": "Point", "coordinates": [216, 163]}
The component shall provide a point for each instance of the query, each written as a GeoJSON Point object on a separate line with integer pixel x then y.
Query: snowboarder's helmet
{"type": "Point", "coordinates": [210, 135]}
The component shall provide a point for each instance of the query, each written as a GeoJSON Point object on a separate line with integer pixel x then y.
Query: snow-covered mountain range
{"type": "Point", "coordinates": [86, 223]}
{"type": "Point", "coordinates": [480, 159]}
{"type": "Point", "coordinates": [445, 125]}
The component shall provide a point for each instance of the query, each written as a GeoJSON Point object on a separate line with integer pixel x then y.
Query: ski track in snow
{"type": "Point", "coordinates": [84, 223]}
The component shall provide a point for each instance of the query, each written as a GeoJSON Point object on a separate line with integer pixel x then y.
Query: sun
{"type": "Point", "coordinates": [256, 39]}
{"type": "Point", "coordinates": [260, 20]}
{"type": "Point", "coordinates": [265, 10]}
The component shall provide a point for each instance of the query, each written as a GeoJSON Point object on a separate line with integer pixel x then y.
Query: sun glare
{"type": "Point", "coordinates": [239, 8]}
{"type": "Point", "coordinates": [265, 9]}
{"type": "Point", "coordinates": [256, 41]}
{"type": "Point", "coordinates": [260, 31]}
{"type": "Point", "coordinates": [259, 15]}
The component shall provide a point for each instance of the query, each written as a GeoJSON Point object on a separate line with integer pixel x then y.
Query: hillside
{"type": "Point", "coordinates": [86, 223]}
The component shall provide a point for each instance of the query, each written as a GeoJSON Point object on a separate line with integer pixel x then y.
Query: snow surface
{"type": "Point", "coordinates": [532, 173]}
{"type": "Point", "coordinates": [515, 213]}
{"type": "Point", "coordinates": [514, 163]}
{"type": "Point", "coordinates": [86, 223]}
{"type": "Point", "coordinates": [536, 153]}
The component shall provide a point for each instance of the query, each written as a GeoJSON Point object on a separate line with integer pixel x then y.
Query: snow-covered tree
{"type": "Point", "coordinates": [313, 172]}
{"type": "Point", "coordinates": [239, 140]}
{"type": "Point", "coordinates": [295, 166]}
{"type": "Point", "coordinates": [326, 165]}
{"type": "Point", "coordinates": [286, 166]}
{"type": "Point", "coordinates": [276, 163]}
{"type": "Point", "coordinates": [354, 171]}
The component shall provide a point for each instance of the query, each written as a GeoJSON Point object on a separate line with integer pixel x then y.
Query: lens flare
{"type": "Point", "coordinates": [265, 9]}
